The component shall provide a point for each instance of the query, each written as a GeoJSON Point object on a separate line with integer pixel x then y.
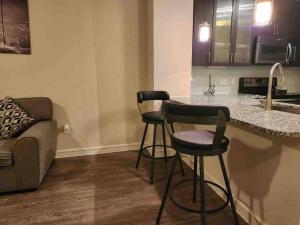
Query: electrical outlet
{"type": "Point", "coordinates": [67, 129]}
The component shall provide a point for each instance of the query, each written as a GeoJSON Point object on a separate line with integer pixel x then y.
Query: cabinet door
{"type": "Point", "coordinates": [294, 21]}
{"type": "Point", "coordinates": [283, 12]}
{"type": "Point", "coordinates": [267, 30]}
{"type": "Point", "coordinates": [222, 32]}
{"type": "Point", "coordinates": [243, 40]}
{"type": "Point", "coordinates": [203, 11]}
{"type": "Point", "coordinates": [281, 15]}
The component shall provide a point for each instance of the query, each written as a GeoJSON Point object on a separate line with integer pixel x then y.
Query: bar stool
{"type": "Point", "coordinates": [155, 118]}
{"type": "Point", "coordinates": [198, 143]}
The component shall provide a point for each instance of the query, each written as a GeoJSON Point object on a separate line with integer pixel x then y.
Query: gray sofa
{"type": "Point", "coordinates": [24, 161]}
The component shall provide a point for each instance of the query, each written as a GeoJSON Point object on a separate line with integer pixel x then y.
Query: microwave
{"type": "Point", "coordinates": [270, 50]}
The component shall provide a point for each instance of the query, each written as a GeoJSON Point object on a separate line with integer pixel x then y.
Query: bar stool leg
{"type": "Point", "coordinates": [166, 193]}
{"type": "Point", "coordinates": [181, 166]}
{"type": "Point", "coordinates": [164, 142]}
{"type": "Point", "coordinates": [228, 190]}
{"type": "Point", "coordinates": [202, 190]}
{"type": "Point", "coordinates": [180, 160]}
{"type": "Point", "coordinates": [195, 178]}
{"type": "Point", "coordinates": [142, 146]}
{"type": "Point", "coordinates": [153, 154]}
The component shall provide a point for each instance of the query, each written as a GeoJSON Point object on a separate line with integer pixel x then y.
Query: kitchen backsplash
{"type": "Point", "coordinates": [226, 79]}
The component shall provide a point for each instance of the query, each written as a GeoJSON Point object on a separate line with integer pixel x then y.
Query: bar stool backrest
{"type": "Point", "coordinates": [198, 114]}
{"type": "Point", "coordinates": [152, 95]}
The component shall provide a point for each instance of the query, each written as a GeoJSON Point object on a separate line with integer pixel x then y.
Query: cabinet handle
{"type": "Point", "coordinates": [288, 53]}
{"type": "Point", "coordinates": [231, 58]}
{"type": "Point", "coordinates": [209, 58]}
{"type": "Point", "coordinates": [277, 30]}
{"type": "Point", "coordinates": [295, 52]}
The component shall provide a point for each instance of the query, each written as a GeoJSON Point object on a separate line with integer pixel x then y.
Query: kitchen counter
{"type": "Point", "coordinates": [247, 111]}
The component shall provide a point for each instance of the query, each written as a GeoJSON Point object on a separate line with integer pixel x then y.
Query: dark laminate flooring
{"type": "Point", "coordinates": [106, 190]}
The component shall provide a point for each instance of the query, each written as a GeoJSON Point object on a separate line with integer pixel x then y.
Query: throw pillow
{"type": "Point", "coordinates": [13, 119]}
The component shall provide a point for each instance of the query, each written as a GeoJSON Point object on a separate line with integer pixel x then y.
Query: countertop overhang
{"type": "Point", "coordinates": [246, 111]}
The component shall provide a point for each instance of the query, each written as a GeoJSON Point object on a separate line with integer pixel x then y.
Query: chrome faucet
{"type": "Point", "coordinates": [211, 87]}
{"type": "Point", "coordinates": [268, 103]}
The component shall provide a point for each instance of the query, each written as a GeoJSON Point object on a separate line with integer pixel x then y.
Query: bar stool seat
{"type": "Point", "coordinates": [193, 141]}
{"type": "Point", "coordinates": [153, 117]}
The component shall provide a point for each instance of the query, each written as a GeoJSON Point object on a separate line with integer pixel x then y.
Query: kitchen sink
{"type": "Point", "coordinates": [282, 108]}
{"type": "Point", "coordinates": [287, 96]}
{"type": "Point", "coordinates": [291, 101]}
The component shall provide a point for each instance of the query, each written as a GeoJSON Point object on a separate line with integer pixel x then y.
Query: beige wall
{"type": "Point", "coordinates": [172, 33]}
{"type": "Point", "coordinates": [121, 59]}
{"type": "Point", "coordinates": [62, 66]}
{"type": "Point", "coordinates": [89, 58]}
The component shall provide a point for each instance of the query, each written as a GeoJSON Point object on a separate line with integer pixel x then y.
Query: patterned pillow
{"type": "Point", "coordinates": [13, 119]}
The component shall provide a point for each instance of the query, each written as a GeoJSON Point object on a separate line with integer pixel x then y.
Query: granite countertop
{"type": "Point", "coordinates": [247, 111]}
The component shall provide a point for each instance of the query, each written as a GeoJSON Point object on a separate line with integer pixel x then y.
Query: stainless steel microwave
{"type": "Point", "coordinates": [270, 50]}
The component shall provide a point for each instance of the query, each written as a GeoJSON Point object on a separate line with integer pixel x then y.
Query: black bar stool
{"type": "Point", "coordinates": [198, 143]}
{"type": "Point", "coordinates": [155, 118]}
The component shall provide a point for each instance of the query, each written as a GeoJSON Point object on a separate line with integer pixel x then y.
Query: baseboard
{"type": "Point", "coordinates": [243, 210]}
{"type": "Point", "coordinates": [65, 153]}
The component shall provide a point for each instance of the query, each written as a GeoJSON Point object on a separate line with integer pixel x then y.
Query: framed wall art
{"type": "Point", "coordinates": [14, 27]}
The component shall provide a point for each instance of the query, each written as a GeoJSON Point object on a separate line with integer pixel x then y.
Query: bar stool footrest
{"type": "Point", "coordinates": [157, 158]}
{"type": "Point", "coordinates": [185, 208]}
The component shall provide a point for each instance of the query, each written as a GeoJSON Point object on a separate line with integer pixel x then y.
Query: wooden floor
{"type": "Point", "coordinates": [105, 190]}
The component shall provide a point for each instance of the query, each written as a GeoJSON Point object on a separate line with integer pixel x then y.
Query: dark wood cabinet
{"type": "Point", "coordinates": [233, 31]}
{"type": "Point", "coordinates": [282, 12]}
{"type": "Point", "coordinates": [231, 37]}
{"type": "Point", "coordinates": [203, 12]}
{"type": "Point", "coordinates": [223, 32]}
{"type": "Point", "coordinates": [242, 41]}
{"type": "Point", "coordinates": [277, 26]}
{"type": "Point", "coordinates": [293, 19]}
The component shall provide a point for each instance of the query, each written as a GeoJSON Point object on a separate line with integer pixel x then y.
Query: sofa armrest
{"type": "Point", "coordinates": [33, 153]}
{"type": "Point", "coordinates": [40, 130]}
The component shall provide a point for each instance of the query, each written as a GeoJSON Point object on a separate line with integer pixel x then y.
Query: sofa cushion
{"type": "Point", "coordinates": [13, 119]}
{"type": "Point", "coordinates": [6, 158]}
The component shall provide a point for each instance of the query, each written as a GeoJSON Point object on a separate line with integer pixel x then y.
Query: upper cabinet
{"type": "Point", "coordinates": [203, 12]}
{"type": "Point", "coordinates": [279, 25]}
{"type": "Point", "coordinates": [243, 42]}
{"type": "Point", "coordinates": [232, 31]}
{"type": "Point", "coordinates": [293, 19]}
{"type": "Point", "coordinates": [222, 32]}
{"type": "Point", "coordinates": [231, 24]}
